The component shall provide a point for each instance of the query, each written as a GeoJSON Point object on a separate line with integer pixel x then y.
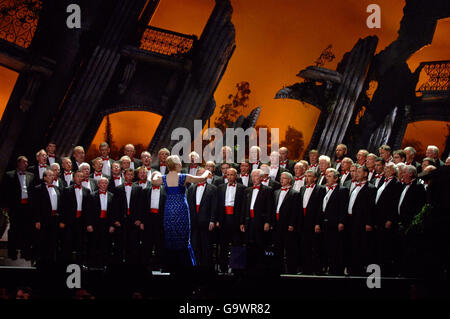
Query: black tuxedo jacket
{"type": "Point", "coordinates": [75, 166]}
{"type": "Point", "coordinates": [157, 168]}
{"type": "Point", "coordinates": [387, 206]}
{"type": "Point", "coordinates": [289, 210]}
{"type": "Point", "coordinates": [238, 204]}
{"type": "Point", "coordinates": [337, 207]}
{"type": "Point", "coordinates": [94, 209]}
{"type": "Point", "coordinates": [322, 181]}
{"type": "Point", "coordinates": [57, 160]}
{"type": "Point", "coordinates": [93, 185]}
{"type": "Point", "coordinates": [42, 206]}
{"type": "Point", "coordinates": [35, 170]}
{"type": "Point", "coordinates": [311, 218]}
{"type": "Point", "coordinates": [12, 190]}
{"type": "Point", "coordinates": [372, 181]}
{"type": "Point", "coordinates": [145, 205]}
{"type": "Point", "coordinates": [348, 178]}
{"type": "Point", "coordinates": [273, 185]}
{"type": "Point", "coordinates": [218, 170]}
{"type": "Point", "coordinates": [290, 166]}
{"type": "Point", "coordinates": [412, 203]}
{"type": "Point", "coordinates": [61, 185]}
{"type": "Point", "coordinates": [250, 183]}
{"type": "Point", "coordinates": [363, 209]}
{"type": "Point", "coordinates": [64, 180]}
{"type": "Point", "coordinates": [112, 186]}
{"type": "Point", "coordinates": [263, 207]}
{"type": "Point", "coordinates": [69, 205]}
{"type": "Point", "coordinates": [208, 205]}
{"type": "Point", "coordinates": [120, 202]}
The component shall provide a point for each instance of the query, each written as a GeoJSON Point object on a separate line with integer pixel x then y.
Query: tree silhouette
{"type": "Point", "coordinates": [325, 56]}
{"type": "Point", "coordinates": [236, 105]}
{"type": "Point", "coordinates": [108, 132]}
{"type": "Point", "coordinates": [294, 142]}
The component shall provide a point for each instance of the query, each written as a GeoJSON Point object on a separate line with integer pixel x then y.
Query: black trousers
{"type": "Point", "coordinates": [201, 243]}
{"type": "Point", "coordinates": [74, 241]}
{"type": "Point", "coordinates": [286, 248]}
{"type": "Point", "coordinates": [47, 241]}
{"type": "Point", "coordinates": [21, 229]}
{"type": "Point", "coordinates": [310, 252]}
{"type": "Point", "coordinates": [229, 235]}
{"type": "Point", "coordinates": [332, 252]}
{"type": "Point", "coordinates": [99, 244]}
{"type": "Point", "coordinates": [153, 239]}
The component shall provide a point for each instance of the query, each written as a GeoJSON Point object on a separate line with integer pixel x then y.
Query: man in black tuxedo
{"type": "Point", "coordinates": [378, 178]}
{"type": "Point", "coordinates": [333, 210]}
{"type": "Point", "coordinates": [370, 164]}
{"type": "Point", "coordinates": [75, 203]}
{"type": "Point", "coordinates": [227, 157]}
{"type": "Point", "coordinates": [244, 176]}
{"type": "Point", "coordinates": [299, 176]}
{"type": "Point", "coordinates": [222, 178]}
{"type": "Point", "coordinates": [202, 200]}
{"type": "Point", "coordinates": [311, 197]}
{"type": "Point", "coordinates": [212, 179]}
{"type": "Point", "coordinates": [229, 210]}
{"type": "Point", "coordinates": [275, 169]}
{"type": "Point", "coordinates": [116, 178]}
{"type": "Point", "coordinates": [359, 223]}
{"type": "Point", "coordinates": [286, 211]}
{"type": "Point", "coordinates": [341, 152]}
{"type": "Point", "coordinates": [88, 182]}
{"type": "Point", "coordinates": [266, 180]}
{"type": "Point", "coordinates": [78, 157]}
{"type": "Point", "coordinates": [410, 158]}
{"type": "Point", "coordinates": [254, 158]}
{"type": "Point", "coordinates": [285, 162]}
{"type": "Point", "coordinates": [16, 190]}
{"type": "Point", "coordinates": [193, 165]}
{"type": "Point", "coordinates": [47, 208]}
{"type": "Point", "coordinates": [143, 178]}
{"type": "Point", "coordinates": [346, 164]}
{"type": "Point", "coordinates": [324, 164]}
{"type": "Point", "coordinates": [127, 218]}
{"type": "Point", "coordinates": [99, 222]}
{"type": "Point", "coordinates": [106, 159]}
{"type": "Point", "coordinates": [433, 152]}
{"type": "Point", "coordinates": [313, 157]}
{"type": "Point", "coordinates": [130, 151]}
{"type": "Point", "coordinates": [385, 152]}
{"type": "Point", "coordinates": [153, 200]}
{"type": "Point", "coordinates": [97, 165]}
{"type": "Point", "coordinates": [351, 184]}
{"type": "Point", "coordinates": [57, 180]}
{"type": "Point", "coordinates": [161, 166]}
{"type": "Point", "coordinates": [51, 157]}
{"type": "Point", "coordinates": [257, 217]}
{"type": "Point", "coordinates": [386, 218]}
{"type": "Point", "coordinates": [67, 174]}
{"type": "Point", "coordinates": [40, 167]}
{"type": "Point", "coordinates": [361, 157]}
{"type": "Point", "coordinates": [146, 159]}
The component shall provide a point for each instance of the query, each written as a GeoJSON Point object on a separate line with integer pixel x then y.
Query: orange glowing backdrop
{"type": "Point", "coordinates": [274, 40]}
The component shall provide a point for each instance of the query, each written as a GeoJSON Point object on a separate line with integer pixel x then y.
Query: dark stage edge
{"type": "Point", "coordinates": [121, 281]}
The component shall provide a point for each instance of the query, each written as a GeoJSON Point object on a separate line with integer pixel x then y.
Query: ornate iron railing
{"type": "Point", "coordinates": [18, 20]}
{"type": "Point", "coordinates": [166, 42]}
{"type": "Point", "coordinates": [438, 82]}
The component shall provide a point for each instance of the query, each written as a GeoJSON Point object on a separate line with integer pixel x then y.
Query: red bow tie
{"type": "Point", "coordinates": [283, 162]}
{"type": "Point", "coordinates": [345, 173]}
{"type": "Point", "coordinates": [162, 165]}
{"type": "Point", "coordinates": [265, 180]}
{"type": "Point", "coordinates": [102, 193]}
{"type": "Point", "coordinates": [77, 186]}
{"type": "Point", "coordinates": [105, 158]}
{"type": "Point", "coordinates": [299, 178]}
{"type": "Point", "coordinates": [50, 185]}
{"type": "Point", "coordinates": [378, 175]}
{"type": "Point", "coordinates": [67, 173]}
{"type": "Point", "coordinates": [244, 175]}
{"type": "Point", "coordinates": [128, 184]}
{"type": "Point", "coordinates": [21, 173]}
{"type": "Point", "coordinates": [51, 155]}
{"type": "Point", "coordinates": [408, 163]}
{"type": "Point", "coordinates": [232, 185]}
{"type": "Point", "coordinates": [155, 187]}
{"type": "Point", "coordinates": [331, 187]}
{"type": "Point", "coordinates": [193, 166]}
{"type": "Point", "coordinates": [142, 182]}
{"type": "Point", "coordinates": [360, 184]}
{"type": "Point", "coordinates": [313, 165]}
{"type": "Point", "coordinates": [98, 174]}
{"type": "Point", "coordinates": [256, 187]}
{"type": "Point", "coordinates": [388, 179]}
{"type": "Point", "coordinates": [256, 163]}
{"type": "Point", "coordinates": [42, 166]}
{"type": "Point", "coordinates": [86, 180]}
{"type": "Point", "coordinates": [338, 161]}
{"type": "Point", "coordinates": [285, 189]}
{"type": "Point", "coordinates": [116, 177]}
{"type": "Point", "coordinates": [323, 174]}
{"type": "Point", "coordinates": [310, 186]}
{"type": "Point", "coordinates": [201, 184]}
{"type": "Point", "coordinates": [372, 170]}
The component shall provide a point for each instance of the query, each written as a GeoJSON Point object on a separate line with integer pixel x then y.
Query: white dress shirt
{"type": "Point", "coordinates": [51, 159]}
{"type": "Point", "coordinates": [344, 177]}
{"type": "Point", "coordinates": [132, 164]}
{"type": "Point", "coordinates": [162, 169]}
{"type": "Point", "coordinates": [245, 180]}
{"type": "Point", "coordinates": [281, 198]}
{"type": "Point", "coordinates": [377, 180]}
{"type": "Point", "coordinates": [117, 182]}
{"type": "Point", "coordinates": [273, 172]}
{"type": "Point", "coordinates": [230, 195]}
{"type": "Point", "coordinates": [371, 172]}
{"type": "Point", "coordinates": [87, 184]}
{"type": "Point", "coordinates": [104, 201]}
{"type": "Point", "coordinates": [352, 186]}
{"type": "Point", "coordinates": [353, 198]}
{"type": "Point", "coordinates": [322, 177]}
{"type": "Point", "coordinates": [254, 195]}
{"type": "Point", "coordinates": [154, 198]}
{"type": "Point", "coordinates": [97, 176]}
{"type": "Point", "coordinates": [128, 193]}
{"type": "Point", "coordinates": [53, 197]}
{"type": "Point", "coordinates": [193, 170]}
{"type": "Point", "coordinates": [381, 189]}
{"type": "Point", "coordinates": [79, 197]}
{"type": "Point", "coordinates": [307, 195]}
{"type": "Point", "coordinates": [106, 169]}
{"type": "Point", "coordinates": [41, 172]}
{"type": "Point", "coordinates": [56, 183]}
{"type": "Point", "coordinates": [23, 185]}
{"type": "Point", "coordinates": [327, 196]}
{"type": "Point", "coordinates": [68, 178]}
{"type": "Point", "coordinates": [199, 194]}
{"type": "Point", "coordinates": [299, 182]}
{"type": "Point", "coordinates": [402, 197]}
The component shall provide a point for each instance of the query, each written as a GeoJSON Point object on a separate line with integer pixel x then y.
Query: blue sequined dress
{"type": "Point", "coordinates": [177, 225]}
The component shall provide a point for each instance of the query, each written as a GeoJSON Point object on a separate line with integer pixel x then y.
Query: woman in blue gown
{"type": "Point", "coordinates": [177, 227]}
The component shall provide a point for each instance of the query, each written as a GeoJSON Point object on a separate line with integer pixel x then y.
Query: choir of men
{"type": "Point", "coordinates": [317, 217]}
